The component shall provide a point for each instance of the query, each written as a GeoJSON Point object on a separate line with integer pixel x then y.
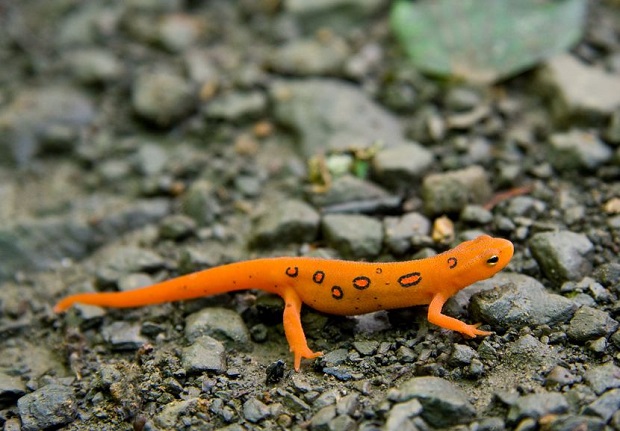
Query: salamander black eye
{"type": "Point", "coordinates": [493, 260]}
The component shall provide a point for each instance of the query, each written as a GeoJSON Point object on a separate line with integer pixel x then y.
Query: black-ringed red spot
{"type": "Point", "coordinates": [409, 280]}
{"type": "Point", "coordinates": [337, 292]}
{"type": "Point", "coordinates": [292, 271]}
{"type": "Point", "coordinates": [452, 262]}
{"type": "Point", "coordinates": [318, 277]}
{"type": "Point", "coordinates": [362, 282]}
{"type": "Point", "coordinates": [378, 270]}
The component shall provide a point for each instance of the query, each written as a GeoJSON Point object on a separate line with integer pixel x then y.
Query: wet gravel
{"type": "Point", "coordinates": [140, 140]}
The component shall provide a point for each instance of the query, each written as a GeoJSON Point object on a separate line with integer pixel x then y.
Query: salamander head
{"type": "Point", "coordinates": [477, 259]}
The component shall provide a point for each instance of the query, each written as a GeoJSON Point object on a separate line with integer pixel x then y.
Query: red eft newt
{"type": "Point", "coordinates": [332, 286]}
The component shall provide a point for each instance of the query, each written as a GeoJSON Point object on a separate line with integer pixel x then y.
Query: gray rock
{"type": "Point", "coordinates": [327, 398]}
{"type": "Point", "coordinates": [110, 374]}
{"type": "Point", "coordinates": [348, 404]}
{"type": "Point", "coordinates": [116, 262]}
{"type": "Point", "coordinates": [329, 114]}
{"type": "Point", "coordinates": [237, 106]}
{"type": "Point", "coordinates": [541, 357]}
{"type": "Point", "coordinates": [171, 412]}
{"type": "Point", "coordinates": [608, 274]}
{"type": "Point", "coordinates": [11, 388]}
{"type": "Point", "coordinates": [462, 355]}
{"type": "Point", "coordinates": [605, 406]}
{"type": "Point", "coordinates": [51, 406]}
{"type": "Point", "coordinates": [561, 376]}
{"type": "Point", "coordinates": [535, 406]}
{"type": "Point", "coordinates": [150, 159]}
{"type": "Point", "coordinates": [612, 134]}
{"type": "Point", "coordinates": [352, 194]}
{"type": "Point", "coordinates": [320, 421]}
{"type": "Point", "coordinates": [404, 231]}
{"type": "Point", "coordinates": [290, 221]}
{"type": "Point", "coordinates": [43, 118]}
{"type": "Point", "coordinates": [340, 16]}
{"type": "Point", "coordinates": [476, 214]}
{"type": "Point", "coordinates": [603, 377]}
{"type": "Point", "coordinates": [177, 32]}
{"type": "Point", "coordinates": [200, 202]}
{"type": "Point", "coordinates": [579, 88]}
{"type": "Point", "coordinates": [123, 336]}
{"type": "Point", "coordinates": [162, 97]}
{"type": "Point", "coordinates": [342, 422]}
{"type": "Point", "coordinates": [310, 56]}
{"type": "Point", "coordinates": [463, 98]}
{"type": "Point", "coordinates": [399, 417]}
{"type": "Point", "coordinates": [451, 191]}
{"type": "Point", "coordinates": [590, 323]}
{"type": "Point", "coordinates": [204, 354]}
{"type": "Point", "coordinates": [334, 357]}
{"type": "Point", "coordinates": [577, 150]}
{"type": "Point", "coordinates": [95, 66]}
{"type": "Point", "coordinates": [366, 348]}
{"type": "Point", "coordinates": [291, 401]}
{"type": "Point", "coordinates": [491, 424]}
{"type": "Point", "coordinates": [402, 165]}
{"type": "Point", "coordinates": [40, 244]}
{"type": "Point", "coordinates": [119, 219]}
{"type": "Point", "coordinates": [598, 345]}
{"type": "Point", "coordinates": [574, 422]}
{"type": "Point", "coordinates": [255, 410]}
{"type": "Point", "coordinates": [130, 282]}
{"type": "Point", "coordinates": [354, 236]}
{"type": "Point", "coordinates": [248, 185]}
{"type": "Point", "coordinates": [443, 403]}
{"type": "Point", "coordinates": [615, 338]}
{"type": "Point", "coordinates": [562, 255]}
{"type": "Point", "coordinates": [177, 227]}
{"type": "Point", "coordinates": [405, 355]}
{"type": "Point", "coordinates": [220, 323]}
{"type": "Point", "coordinates": [519, 301]}
{"type": "Point", "coordinates": [525, 206]}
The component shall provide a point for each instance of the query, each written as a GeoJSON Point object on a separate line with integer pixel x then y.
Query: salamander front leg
{"type": "Point", "coordinates": [436, 317]}
{"type": "Point", "coordinates": [294, 331]}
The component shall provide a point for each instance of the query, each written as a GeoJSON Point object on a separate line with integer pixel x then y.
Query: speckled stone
{"type": "Point", "coordinates": [603, 377]}
{"type": "Point", "coordinates": [331, 114]}
{"type": "Point", "coordinates": [162, 97]}
{"type": "Point", "coordinates": [204, 354]}
{"type": "Point", "coordinates": [591, 323]}
{"type": "Point", "coordinates": [562, 255]}
{"type": "Point", "coordinates": [535, 406]}
{"type": "Point", "coordinates": [451, 191]}
{"type": "Point", "coordinates": [222, 324]}
{"type": "Point", "coordinates": [290, 221]}
{"type": "Point", "coordinates": [354, 235]}
{"type": "Point", "coordinates": [402, 165]}
{"type": "Point", "coordinates": [518, 300]}
{"type": "Point", "coordinates": [443, 403]}
{"type": "Point", "coordinates": [51, 406]}
{"type": "Point", "coordinates": [577, 150]}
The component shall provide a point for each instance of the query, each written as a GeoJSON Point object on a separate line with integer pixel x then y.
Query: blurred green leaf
{"type": "Point", "coordinates": [485, 40]}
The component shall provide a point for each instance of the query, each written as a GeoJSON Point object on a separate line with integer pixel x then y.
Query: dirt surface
{"type": "Point", "coordinates": [141, 140]}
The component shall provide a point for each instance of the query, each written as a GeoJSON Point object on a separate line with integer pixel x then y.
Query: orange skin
{"type": "Point", "coordinates": [332, 286]}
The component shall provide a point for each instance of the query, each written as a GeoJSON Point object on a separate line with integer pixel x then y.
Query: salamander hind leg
{"type": "Point", "coordinates": [294, 331]}
{"type": "Point", "coordinates": [436, 317]}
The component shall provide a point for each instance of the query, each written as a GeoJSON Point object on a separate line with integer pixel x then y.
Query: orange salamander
{"type": "Point", "coordinates": [332, 286]}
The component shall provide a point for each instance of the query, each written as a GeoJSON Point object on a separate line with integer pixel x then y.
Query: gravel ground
{"type": "Point", "coordinates": [144, 139]}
